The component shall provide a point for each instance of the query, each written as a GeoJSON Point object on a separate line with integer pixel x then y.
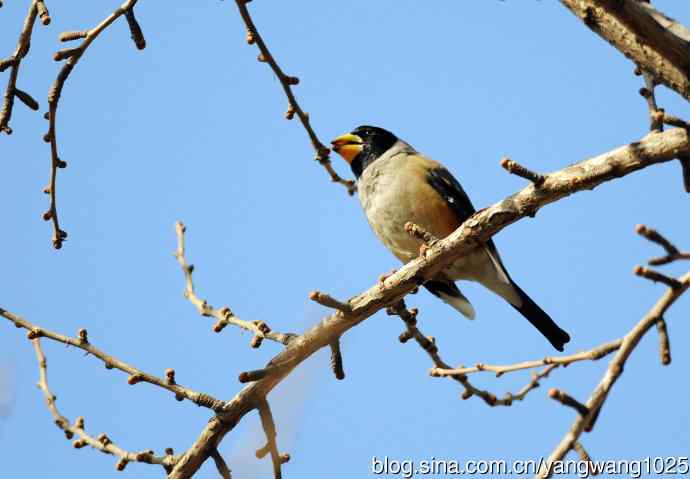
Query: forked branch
{"type": "Point", "coordinates": [224, 316]}
{"type": "Point", "coordinates": [294, 108]}
{"type": "Point", "coordinates": [585, 421]}
{"type": "Point", "coordinates": [72, 57]}
{"type": "Point", "coordinates": [102, 443]}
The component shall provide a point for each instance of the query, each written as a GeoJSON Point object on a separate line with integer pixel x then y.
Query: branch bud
{"type": "Point", "coordinates": [170, 375]}
{"type": "Point", "coordinates": [82, 334]}
{"type": "Point", "coordinates": [69, 36]}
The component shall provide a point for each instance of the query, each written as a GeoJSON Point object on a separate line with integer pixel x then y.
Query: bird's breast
{"type": "Point", "coordinates": [394, 191]}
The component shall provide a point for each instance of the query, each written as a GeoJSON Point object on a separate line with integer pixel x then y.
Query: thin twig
{"type": "Point", "coordinates": [257, 374]}
{"type": "Point", "coordinates": [657, 277]}
{"type": "Point", "coordinates": [598, 397]}
{"type": "Point", "coordinates": [337, 360]}
{"type": "Point", "coordinates": [329, 301]}
{"type": "Point", "coordinates": [224, 315]}
{"type": "Point", "coordinates": [648, 92]}
{"type": "Point", "coordinates": [13, 62]}
{"type": "Point", "coordinates": [135, 375]}
{"type": "Point", "coordinates": [517, 169]}
{"type": "Point", "coordinates": [589, 355]}
{"type": "Point", "coordinates": [672, 253]}
{"type": "Point", "coordinates": [584, 456]}
{"type": "Point", "coordinates": [72, 55]}
{"type": "Point", "coordinates": [286, 81]}
{"type": "Point", "coordinates": [270, 429]}
{"type": "Point", "coordinates": [659, 118]}
{"type": "Point", "coordinates": [567, 400]}
{"type": "Point", "coordinates": [102, 442]}
{"type": "Point", "coordinates": [222, 467]}
{"type": "Point", "coordinates": [664, 343]}
{"type": "Point", "coordinates": [670, 120]}
{"type": "Point", "coordinates": [428, 344]}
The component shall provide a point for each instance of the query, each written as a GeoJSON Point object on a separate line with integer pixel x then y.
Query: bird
{"type": "Point", "coordinates": [397, 184]}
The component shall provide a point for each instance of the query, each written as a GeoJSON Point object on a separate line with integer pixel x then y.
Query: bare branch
{"type": "Point", "coordinates": [222, 467]}
{"type": "Point", "coordinates": [337, 360]}
{"type": "Point", "coordinates": [13, 62]}
{"type": "Point", "coordinates": [135, 29]}
{"type": "Point", "coordinates": [670, 120]}
{"type": "Point", "coordinates": [657, 43]}
{"type": "Point", "coordinates": [72, 55]}
{"type": "Point", "coordinates": [584, 456]}
{"type": "Point", "coordinates": [428, 344]}
{"type": "Point", "coordinates": [590, 355]}
{"type": "Point", "coordinates": [655, 115]}
{"type": "Point", "coordinates": [672, 253]}
{"type": "Point", "coordinates": [517, 169]}
{"type": "Point", "coordinates": [110, 362]}
{"type": "Point", "coordinates": [286, 81]}
{"type": "Point", "coordinates": [271, 445]}
{"type": "Point", "coordinates": [615, 369]}
{"type": "Point", "coordinates": [224, 315]}
{"type": "Point", "coordinates": [43, 13]}
{"type": "Point", "coordinates": [567, 400]}
{"type": "Point", "coordinates": [664, 343]}
{"type": "Point", "coordinates": [257, 374]}
{"type": "Point", "coordinates": [658, 118]}
{"type": "Point", "coordinates": [652, 149]}
{"type": "Point", "coordinates": [330, 302]}
{"type": "Point", "coordinates": [102, 442]}
{"type": "Point", "coordinates": [655, 276]}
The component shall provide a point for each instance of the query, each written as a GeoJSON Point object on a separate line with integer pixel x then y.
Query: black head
{"type": "Point", "coordinates": [364, 145]}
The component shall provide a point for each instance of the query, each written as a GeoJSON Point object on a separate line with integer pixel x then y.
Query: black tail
{"type": "Point", "coordinates": [540, 320]}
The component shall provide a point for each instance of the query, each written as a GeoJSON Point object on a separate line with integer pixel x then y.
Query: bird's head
{"type": "Point", "coordinates": [363, 145]}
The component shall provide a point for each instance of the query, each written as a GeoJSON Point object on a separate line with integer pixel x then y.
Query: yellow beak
{"type": "Point", "coordinates": [348, 146]}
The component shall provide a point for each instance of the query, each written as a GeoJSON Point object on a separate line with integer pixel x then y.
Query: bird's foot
{"type": "Point", "coordinates": [385, 276]}
{"type": "Point", "coordinates": [423, 249]}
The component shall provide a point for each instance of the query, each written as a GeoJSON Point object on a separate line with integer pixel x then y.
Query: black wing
{"type": "Point", "coordinates": [450, 189]}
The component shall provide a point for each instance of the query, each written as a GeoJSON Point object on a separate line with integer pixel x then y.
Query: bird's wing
{"type": "Point", "coordinates": [450, 189]}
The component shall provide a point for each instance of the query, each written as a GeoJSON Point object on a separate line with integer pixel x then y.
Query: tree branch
{"type": "Point", "coordinates": [222, 467]}
{"type": "Point", "coordinates": [652, 149]}
{"type": "Point", "coordinates": [271, 445]}
{"type": "Point", "coordinates": [224, 315]}
{"type": "Point", "coordinates": [672, 253]}
{"type": "Point", "coordinates": [590, 355]}
{"type": "Point", "coordinates": [655, 42]}
{"type": "Point", "coordinates": [102, 442]}
{"type": "Point", "coordinates": [13, 62]}
{"type": "Point", "coordinates": [517, 169]}
{"type": "Point", "coordinates": [110, 362]}
{"type": "Point", "coordinates": [428, 344]}
{"type": "Point", "coordinates": [596, 401]}
{"type": "Point", "coordinates": [287, 82]}
{"type": "Point", "coordinates": [72, 55]}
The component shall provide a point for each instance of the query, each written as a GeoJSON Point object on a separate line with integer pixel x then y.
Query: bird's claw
{"type": "Point", "coordinates": [423, 249]}
{"type": "Point", "coordinates": [385, 276]}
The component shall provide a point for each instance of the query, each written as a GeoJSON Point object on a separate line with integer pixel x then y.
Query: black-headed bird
{"type": "Point", "coordinates": [396, 185]}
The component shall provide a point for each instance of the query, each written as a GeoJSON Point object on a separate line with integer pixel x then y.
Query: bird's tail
{"type": "Point", "coordinates": [540, 320]}
{"type": "Point", "coordinates": [451, 295]}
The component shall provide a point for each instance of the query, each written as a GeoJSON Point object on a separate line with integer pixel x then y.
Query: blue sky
{"type": "Point", "coordinates": [192, 128]}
